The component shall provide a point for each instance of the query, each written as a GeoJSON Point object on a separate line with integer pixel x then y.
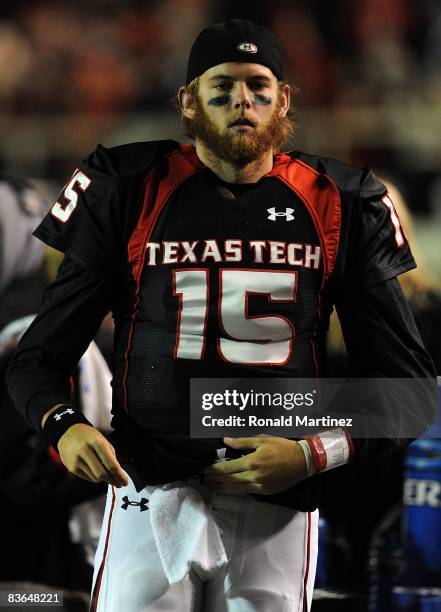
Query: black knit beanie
{"type": "Point", "coordinates": [237, 40]}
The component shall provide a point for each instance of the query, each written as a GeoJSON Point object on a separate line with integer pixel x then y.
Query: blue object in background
{"type": "Point", "coordinates": [406, 599]}
{"type": "Point", "coordinates": [422, 514]}
{"type": "Point", "coordinates": [430, 604]}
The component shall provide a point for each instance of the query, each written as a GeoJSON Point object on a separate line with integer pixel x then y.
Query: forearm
{"type": "Point", "coordinates": [69, 316]}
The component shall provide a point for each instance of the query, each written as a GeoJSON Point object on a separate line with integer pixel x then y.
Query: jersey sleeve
{"type": "Point", "coordinates": [383, 342]}
{"type": "Point", "coordinates": [378, 248]}
{"type": "Point", "coordinates": [71, 311]}
{"type": "Point", "coordinates": [86, 220]}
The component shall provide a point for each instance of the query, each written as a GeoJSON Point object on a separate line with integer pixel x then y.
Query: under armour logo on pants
{"type": "Point", "coordinates": [142, 504]}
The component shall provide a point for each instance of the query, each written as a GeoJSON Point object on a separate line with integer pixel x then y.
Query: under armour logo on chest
{"type": "Point", "coordinates": [273, 214]}
{"type": "Point", "coordinates": [58, 416]}
{"type": "Point", "coordinates": [142, 504]}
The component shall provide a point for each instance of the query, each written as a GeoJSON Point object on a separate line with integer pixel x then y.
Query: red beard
{"type": "Point", "coordinates": [239, 148]}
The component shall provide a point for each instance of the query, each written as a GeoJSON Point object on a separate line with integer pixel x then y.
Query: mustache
{"type": "Point", "coordinates": [242, 121]}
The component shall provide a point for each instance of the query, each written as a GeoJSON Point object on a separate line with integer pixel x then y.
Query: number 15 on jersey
{"type": "Point", "coordinates": [265, 339]}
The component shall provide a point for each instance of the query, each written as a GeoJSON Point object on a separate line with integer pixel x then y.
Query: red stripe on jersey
{"type": "Point", "coordinates": [308, 554]}
{"type": "Point", "coordinates": [398, 230]}
{"type": "Point", "coordinates": [96, 590]}
{"type": "Point", "coordinates": [321, 197]}
{"type": "Point", "coordinates": [160, 183]}
{"type": "Point", "coordinates": [172, 170]}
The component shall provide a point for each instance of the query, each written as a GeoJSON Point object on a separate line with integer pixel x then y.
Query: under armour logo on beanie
{"type": "Point", "coordinates": [237, 40]}
{"type": "Point", "coordinates": [247, 47]}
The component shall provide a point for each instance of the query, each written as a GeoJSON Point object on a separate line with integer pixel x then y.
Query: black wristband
{"type": "Point", "coordinates": [59, 421]}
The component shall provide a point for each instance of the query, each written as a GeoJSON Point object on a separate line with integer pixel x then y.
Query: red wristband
{"type": "Point", "coordinates": [330, 449]}
{"type": "Point", "coordinates": [318, 453]}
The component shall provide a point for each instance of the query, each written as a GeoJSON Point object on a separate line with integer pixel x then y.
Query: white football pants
{"type": "Point", "coordinates": [271, 552]}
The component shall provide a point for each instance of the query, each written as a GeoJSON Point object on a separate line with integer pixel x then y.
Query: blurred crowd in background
{"type": "Point", "coordinates": [75, 73]}
{"type": "Point", "coordinates": [57, 57]}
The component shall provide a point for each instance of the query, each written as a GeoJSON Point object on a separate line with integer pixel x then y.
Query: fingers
{"type": "Point", "coordinates": [272, 467]}
{"type": "Point", "coordinates": [241, 464]}
{"type": "Point", "coordinates": [246, 462]}
{"type": "Point", "coordinates": [244, 442]}
{"type": "Point", "coordinates": [86, 453]}
{"type": "Point", "coordinates": [233, 466]}
{"type": "Point", "coordinates": [84, 471]}
{"type": "Point", "coordinates": [107, 457]}
{"type": "Point", "coordinates": [90, 460]}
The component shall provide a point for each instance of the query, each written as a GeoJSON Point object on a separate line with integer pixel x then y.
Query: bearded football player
{"type": "Point", "coordinates": [223, 258]}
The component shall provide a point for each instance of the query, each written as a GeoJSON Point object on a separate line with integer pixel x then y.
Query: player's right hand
{"type": "Point", "coordinates": [86, 453]}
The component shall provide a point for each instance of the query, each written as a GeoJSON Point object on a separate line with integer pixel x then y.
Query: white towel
{"type": "Point", "coordinates": [185, 530]}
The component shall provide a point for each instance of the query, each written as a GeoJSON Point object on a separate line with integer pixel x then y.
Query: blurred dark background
{"type": "Point", "coordinates": [78, 72]}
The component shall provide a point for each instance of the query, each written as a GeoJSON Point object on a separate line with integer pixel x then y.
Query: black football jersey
{"type": "Point", "coordinates": [217, 280]}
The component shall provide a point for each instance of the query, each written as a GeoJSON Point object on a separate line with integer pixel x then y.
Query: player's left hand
{"type": "Point", "coordinates": [275, 465]}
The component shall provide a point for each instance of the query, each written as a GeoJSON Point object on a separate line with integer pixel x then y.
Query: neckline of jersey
{"type": "Point", "coordinates": [189, 152]}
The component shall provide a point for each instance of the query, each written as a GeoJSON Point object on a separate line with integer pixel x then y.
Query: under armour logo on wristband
{"type": "Point", "coordinates": [59, 422]}
{"type": "Point", "coordinates": [58, 416]}
{"type": "Point", "coordinates": [287, 214]}
{"type": "Point", "coordinates": [142, 504]}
